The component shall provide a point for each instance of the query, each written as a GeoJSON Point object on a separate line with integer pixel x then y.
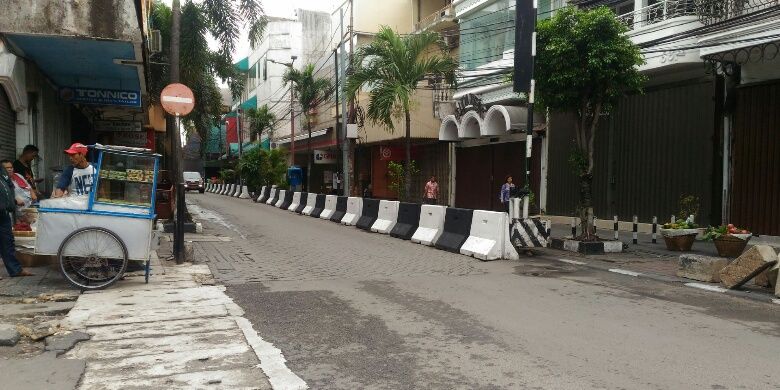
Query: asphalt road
{"type": "Point", "coordinates": [351, 309]}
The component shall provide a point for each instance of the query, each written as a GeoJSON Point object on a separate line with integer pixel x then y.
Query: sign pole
{"type": "Point", "coordinates": [178, 231]}
{"type": "Point", "coordinates": [525, 55]}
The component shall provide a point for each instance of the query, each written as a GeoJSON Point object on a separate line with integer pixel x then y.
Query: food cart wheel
{"type": "Point", "coordinates": [92, 258]}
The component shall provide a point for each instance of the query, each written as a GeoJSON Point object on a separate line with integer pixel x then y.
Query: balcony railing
{"type": "Point", "coordinates": [658, 12]}
{"type": "Point", "coordinates": [714, 11]}
{"type": "Point", "coordinates": [447, 13]}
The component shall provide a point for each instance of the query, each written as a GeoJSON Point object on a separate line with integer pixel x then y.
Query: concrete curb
{"type": "Point", "coordinates": [708, 287]}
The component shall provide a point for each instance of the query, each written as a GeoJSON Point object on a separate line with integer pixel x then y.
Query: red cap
{"type": "Point", "coordinates": [77, 148]}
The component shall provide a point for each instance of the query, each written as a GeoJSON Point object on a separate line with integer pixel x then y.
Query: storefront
{"type": "Point", "coordinates": [430, 158]}
{"type": "Point", "coordinates": [318, 157]}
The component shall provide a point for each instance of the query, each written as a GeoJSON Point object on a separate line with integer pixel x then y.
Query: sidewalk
{"type": "Point", "coordinates": [654, 261]}
{"type": "Point", "coordinates": [177, 332]}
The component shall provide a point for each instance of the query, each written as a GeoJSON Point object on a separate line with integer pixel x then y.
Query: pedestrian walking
{"type": "Point", "coordinates": [8, 203]}
{"type": "Point", "coordinates": [431, 192]}
{"type": "Point", "coordinates": [506, 191]}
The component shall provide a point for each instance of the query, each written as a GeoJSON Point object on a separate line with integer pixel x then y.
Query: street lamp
{"type": "Point", "coordinates": [292, 113]}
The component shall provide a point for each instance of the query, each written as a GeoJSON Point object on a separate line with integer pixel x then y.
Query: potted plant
{"type": "Point", "coordinates": [679, 236]}
{"type": "Point", "coordinates": [730, 241]}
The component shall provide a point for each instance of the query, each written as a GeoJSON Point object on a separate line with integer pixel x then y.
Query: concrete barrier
{"type": "Point", "coordinates": [457, 228]}
{"type": "Point", "coordinates": [244, 193]}
{"type": "Point", "coordinates": [212, 187]}
{"type": "Point", "coordinates": [231, 189]}
{"type": "Point", "coordinates": [296, 201]}
{"type": "Point", "coordinates": [431, 224]}
{"type": "Point", "coordinates": [237, 191]}
{"type": "Point", "coordinates": [263, 196]}
{"type": "Point", "coordinates": [369, 214]}
{"type": "Point", "coordinates": [328, 207]}
{"type": "Point", "coordinates": [287, 201]}
{"type": "Point", "coordinates": [223, 189]}
{"type": "Point", "coordinates": [272, 196]}
{"type": "Point", "coordinates": [388, 215]}
{"type": "Point", "coordinates": [487, 235]}
{"type": "Point", "coordinates": [311, 201]}
{"type": "Point", "coordinates": [340, 210]}
{"type": "Point", "coordinates": [354, 210]}
{"type": "Point", "coordinates": [302, 203]}
{"type": "Point", "coordinates": [407, 222]}
{"type": "Point", "coordinates": [280, 198]}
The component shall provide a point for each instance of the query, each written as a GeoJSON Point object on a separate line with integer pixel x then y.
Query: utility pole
{"type": "Point", "coordinates": [525, 54]}
{"type": "Point", "coordinates": [345, 151]}
{"type": "Point", "coordinates": [292, 124]}
{"type": "Point", "coordinates": [178, 226]}
{"type": "Point", "coordinates": [339, 166]}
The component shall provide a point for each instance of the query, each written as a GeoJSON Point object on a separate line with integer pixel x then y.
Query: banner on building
{"type": "Point", "coordinates": [101, 97]}
{"type": "Point", "coordinates": [137, 139]}
{"type": "Point", "coordinates": [126, 126]}
{"type": "Point", "coordinates": [325, 157]}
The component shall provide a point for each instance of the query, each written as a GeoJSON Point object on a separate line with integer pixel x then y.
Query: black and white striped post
{"type": "Point", "coordinates": [655, 230]}
{"type": "Point", "coordinates": [635, 231]}
{"type": "Point", "coordinates": [616, 227]}
{"type": "Point", "coordinates": [525, 54]}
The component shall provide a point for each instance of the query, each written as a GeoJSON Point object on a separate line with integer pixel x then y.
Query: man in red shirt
{"type": "Point", "coordinates": [431, 192]}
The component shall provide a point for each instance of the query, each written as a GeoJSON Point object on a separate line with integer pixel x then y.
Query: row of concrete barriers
{"type": "Point", "coordinates": [234, 190]}
{"type": "Point", "coordinates": [482, 234]}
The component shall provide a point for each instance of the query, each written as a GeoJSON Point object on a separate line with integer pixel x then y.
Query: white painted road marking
{"type": "Point", "coordinates": [272, 362]}
{"type": "Point", "coordinates": [624, 272]}
{"type": "Point", "coordinates": [575, 262]}
{"type": "Point", "coordinates": [706, 287]}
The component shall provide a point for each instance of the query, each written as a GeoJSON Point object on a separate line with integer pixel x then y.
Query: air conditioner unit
{"type": "Point", "coordinates": [155, 41]}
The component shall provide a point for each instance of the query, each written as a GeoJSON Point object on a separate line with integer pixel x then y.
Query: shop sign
{"type": "Point", "coordinates": [102, 97]}
{"type": "Point", "coordinates": [104, 125]}
{"type": "Point", "coordinates": [135, 139]}
{"type": "Point", "coordinates": [325, 157]}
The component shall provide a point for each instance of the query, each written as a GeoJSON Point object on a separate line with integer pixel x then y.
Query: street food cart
{"type": "Point", "coordinates": [95, 237]}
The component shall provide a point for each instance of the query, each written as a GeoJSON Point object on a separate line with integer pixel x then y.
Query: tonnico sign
{"type": "Point", "coordinates": [177, 99]}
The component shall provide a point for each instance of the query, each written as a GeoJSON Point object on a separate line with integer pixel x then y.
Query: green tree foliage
{"type": "Point", "coordinates": [585, 63]}
{"type": "Point", "coordinates": [262, 167]}
{"type": "Point", "coordinates": [261, 120]}
{"type": "Point", "coordinates": [392, 65]}
{"type": "Point", "coordinates": [199, 65]}
{"type": "Point", "coordinates": [398, 178]}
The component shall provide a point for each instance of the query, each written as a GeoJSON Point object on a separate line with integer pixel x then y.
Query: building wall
{"type": "Point", "coordinates": [397, 14]}
{"type": "Point", "coordinates": [652, 149]}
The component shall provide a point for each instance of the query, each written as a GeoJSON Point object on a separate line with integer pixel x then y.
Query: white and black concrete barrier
{"type": "Point", "coordinates": [296, 201]}
{"type": "Point", "coordinates": [340, 210]}
{"type": "Point", "coordinates": [311, 201]}
{"type": "Point", "coordinates": [487, 239]}
{"type": "Point", "coordinates": [280, 198]}
{"type": "Point", "coordinates": [408, 220]}
{"type": "Point", "coordinates": [272, 196]}
{"type": "Point", "coordinates": [354, 210]}
{"type": "Point", "coordinates": [369, 214]}
{"type": "Point", "coordinates": [388, 215]}
{"type": "Point", "coordinates": [328, 208]}
{"type": "Point", "coordinates": [222, 189]}
{"type": "Point", "coordinates": [529, 233]}
{"type": "Point", "coordinates": [457, 228]}
{"type": "Point", "coordinates": [431, 224]}
{"type": "Point", "coordinates": [230, 189]}
{"type": "Point", "coordinates": [263, 195]}
{"type": "Point", "coordinates": [302, 205]}
{"type": "Point", "coordinates": [244, 193]}
{"type": "Point", "coordinates": [237, 192]}
{"type": "Point", "coordinates": [287, 201]}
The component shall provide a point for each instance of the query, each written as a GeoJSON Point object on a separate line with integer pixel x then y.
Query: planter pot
{"type": "Point", "coordinates": [731, 245]}
{"type": "Point", "coordinates": [680, 240]}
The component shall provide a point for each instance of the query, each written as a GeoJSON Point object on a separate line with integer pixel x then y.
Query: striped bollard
{"type": "Point", "coordinates": [548, 228]}
{"type": "Point", "coordinates": [655, 230]}
{"type": "Point", "coordinates": [573, 227]}
{"type": "Point", "coordinates": [616, 227]}
{"type": "Point", "coordinates": [635, 230]}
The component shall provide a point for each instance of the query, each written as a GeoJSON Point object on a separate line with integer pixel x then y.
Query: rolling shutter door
{"type": "Point", "coordinates": [7, 128]}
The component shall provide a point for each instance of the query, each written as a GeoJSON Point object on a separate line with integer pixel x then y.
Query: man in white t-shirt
{"type": "Point", "coordinates": [77, 179]}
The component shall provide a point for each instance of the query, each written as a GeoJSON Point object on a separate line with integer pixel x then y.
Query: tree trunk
{"type": "Point", "coordinates": [408, 169]}
{"type": "Point", "coordinates": [585, 209]}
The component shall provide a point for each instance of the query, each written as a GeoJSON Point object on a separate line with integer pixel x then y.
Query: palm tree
{"type": "Point", "coordinates": [392, 65]}
{"type": "Point", "coordinates": [221, 19]}
{"type": "Point", "coordinates": [311, 91]}
{"type": "Point", "coordinates": [261, 120]}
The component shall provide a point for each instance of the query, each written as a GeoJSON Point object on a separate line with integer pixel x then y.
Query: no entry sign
{"type": "Point", "coordinates": [177, 99]}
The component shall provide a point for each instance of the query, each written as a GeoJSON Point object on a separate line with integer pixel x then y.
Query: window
{"type": "Point", "coordinates": [487, 33]}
